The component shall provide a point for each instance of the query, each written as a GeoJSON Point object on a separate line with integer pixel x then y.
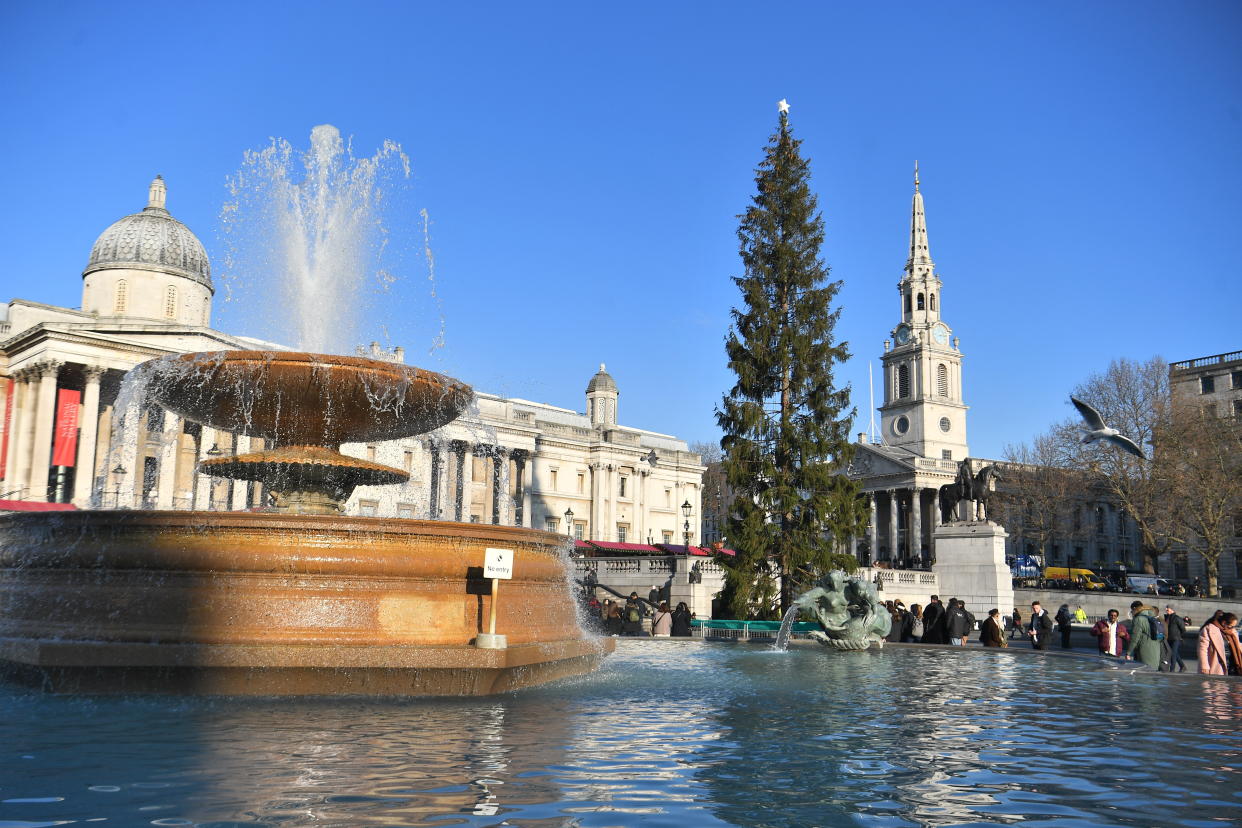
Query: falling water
{"type": "Point", "coordinates": [307, 245]}
{"type": "Point", "coordinates": [782, 637]}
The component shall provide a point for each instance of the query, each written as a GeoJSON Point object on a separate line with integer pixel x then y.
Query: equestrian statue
{"type": "Point", "coordinates": [976, 490]}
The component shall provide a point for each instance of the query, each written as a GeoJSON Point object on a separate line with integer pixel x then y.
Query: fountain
{"type": "Point", "coordinates": [299, 598]}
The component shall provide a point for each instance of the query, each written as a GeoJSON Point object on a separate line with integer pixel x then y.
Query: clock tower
{"type": "Point", "coordinates": [923, 410]}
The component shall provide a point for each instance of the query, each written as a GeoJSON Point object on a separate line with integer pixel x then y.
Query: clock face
{"type": "Point", "coordinates": [940, 335]}
{"type": "Point", "coordinates": [903, 335]}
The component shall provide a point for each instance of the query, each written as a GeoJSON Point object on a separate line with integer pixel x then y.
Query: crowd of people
{"type": "Point", "coordinates": [635, 617]}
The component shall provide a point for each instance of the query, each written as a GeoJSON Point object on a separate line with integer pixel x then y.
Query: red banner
{"type": "Point", "coordinates": [64, 451]}
{"type": "Point", "coordinates": [8, 426]}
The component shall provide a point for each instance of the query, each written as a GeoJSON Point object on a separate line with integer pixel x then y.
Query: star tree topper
{"type": "Point", "coordinates": [782, 106]}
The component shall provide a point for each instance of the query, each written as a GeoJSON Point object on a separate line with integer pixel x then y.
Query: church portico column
{"type": "Point", "coordinates": [45, 421]}
{"type": "Point", "coordinates": [892, 524]}
{"type": "Point", "coordinates": [873, 531]}
{"type": "Point", "coordinates": [916, 526]}
{"type": "Point", "coordinates": [84, 479]}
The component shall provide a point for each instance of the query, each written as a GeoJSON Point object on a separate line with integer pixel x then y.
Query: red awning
{"type": "Point", "coordinates": [34, 506]}
{"type": "Point", "coordinates": [628, 548]}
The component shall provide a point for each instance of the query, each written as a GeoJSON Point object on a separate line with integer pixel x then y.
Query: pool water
{"type": "Point", "coordinates": [668, 733]}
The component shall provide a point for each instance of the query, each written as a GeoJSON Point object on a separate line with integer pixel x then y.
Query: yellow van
{"type": "Point", "coordinates": [1085, 578]}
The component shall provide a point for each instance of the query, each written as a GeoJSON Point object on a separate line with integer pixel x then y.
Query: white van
{"type": "Point", "coordinates": [1142, 584]}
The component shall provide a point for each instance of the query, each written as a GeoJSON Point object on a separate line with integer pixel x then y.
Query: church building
{"type": "Point", "coordinates": [147, 292]}
{"type": "Point", "coordinates": [922, 418]}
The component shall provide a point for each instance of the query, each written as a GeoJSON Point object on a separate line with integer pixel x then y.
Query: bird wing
{"type": "Point", "coordinates": [1127, 444]}
{"type": "Point", "coordinates": [1089, 414]}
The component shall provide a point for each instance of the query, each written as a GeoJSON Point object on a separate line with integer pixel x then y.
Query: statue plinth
{"type": "Point", "coordinates": [970, 566]}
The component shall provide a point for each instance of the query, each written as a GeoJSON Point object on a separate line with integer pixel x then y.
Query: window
{"type": "Point", "coordinates": [1207, 385]}
{"type": "Point", "coordinates": [552, 524]}
{"type": "Point", "coordinates": [170, 302]}
{"type": "Point", "coordinates": [579, 530]}
{"type": "Point", "coordinates": [921, 303]}
{"type": "Point", "coordinates": [623, 532]}
{"type": "Point", "coordinates": [581, 483]}
{"type": "Point", "coordinates": [405, 510]}
{"type": "Point", "coordinates": [1237, 408]}
{"type": "Point", "coordinates": [668, 536]}
{"type": "Point", "coordinates": [1181, 566]}
{"type": "Point", "coordinates": [902, 425]}
{"type": "Point", "coordinates": [946, 454]}
{"type": "Point", "coordinates": [552, 479]}
{"type": "Point", "coordinates": [622, 487]}
{"type": "Point", "coordinates": [907, 303]}
{"type": "Point", "coordinates": [1099, 520]}
{"type": "Point", "coordinates": [945, 424]}
{"type": "Point", "coordinates": [367, 508]}
{"type": "Point", "coordinates": [371, 453]}
{"type": "Point", "coordinates": [409, 461]}
{"type": "Point", "coordinates": [122, 296]}
{"type": "Point", "coordinates": [931, 301]}
{"type": "Point", "coordinates": [1236, 379]}
{"type": "Point", "coordinates": [903, 381]}
{"type": "Point", "coordinates": [942, 380]}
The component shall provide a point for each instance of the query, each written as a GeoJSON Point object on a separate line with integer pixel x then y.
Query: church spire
{"type": "Point", "coordinates": [920, 256]}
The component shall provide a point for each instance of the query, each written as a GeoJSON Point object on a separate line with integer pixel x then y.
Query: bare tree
{"type": "Point", "coordinates": [1198, 463]}
{"type": "Point", "coordinates": [1040, 493]}
{"type": "Point", "coordinates": [716, 492]}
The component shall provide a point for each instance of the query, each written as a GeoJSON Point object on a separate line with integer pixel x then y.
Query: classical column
{"type": "Point", "coordinates": [528, 479]}
{"type": "Point", "coordinates": [500, 486]}
{"type": "Point", "coordinates": [873, 531]}
{"type": "Point", "coordinates": [594, 532]}
{"type": "Point", "coordinates": [204, 483]}
{"type": "Point", "coordinates": [459, 488]}
{"type": "Point", "coordinates": [15, 465]}
{"type": "Point", "coordinates": [241, 488]}
{"type": "Point", "coordinates": [170, 448]}
{"type": "Point", "coordinates": [84, 478]}
{"type": "Point", "coordinates": [892, 524]}
{"type": "Point", "coordinates": [45, 422]}
{"type": "Point", "coordinates": [916, 526]}
{"type": "Point", "coordinates": [519, 496]}
{"type": "Point", "coordinates": [433, 479]}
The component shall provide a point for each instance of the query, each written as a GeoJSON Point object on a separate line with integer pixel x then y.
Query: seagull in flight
{"type": "Point", "coordinates": [1096, 430]}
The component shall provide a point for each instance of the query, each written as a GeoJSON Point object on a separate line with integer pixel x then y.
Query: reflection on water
{"type": "Point", "coordinates": [668, 733]}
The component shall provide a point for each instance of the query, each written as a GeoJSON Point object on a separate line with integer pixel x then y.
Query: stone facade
{"type": "Point", "coordinates": [147, 293]}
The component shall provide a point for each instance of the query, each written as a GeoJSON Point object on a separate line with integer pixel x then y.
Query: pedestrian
{"type": "Point", "coordinates": [1039, 630]}
{"type": "Point", "coordinates": [1220, 653]}
{"type": "Point", "coordinates": [653, 597]}
{"type": "Point", "coordinates": [614, 624]}
{"type": "Point", "coordinates": [633, 617]}
{"type": "Point", "coordinates": [1080, 615]}
{"type": "Point", "coordinates": [1110, 634]}
{"type": "Point", "coordinates": [933, 622]}
{"type": "Point", "coordinates": [915, 630]}
{"type": "Point", "coordinates": [992, 635]}
{"type": "Point", "coordinates": [1017, 623]}
{"type": "Point", "coordinates": [662, 621]}
{"type": "Point", "coordinates": [681, 621]}
{"type": "Point", "coordinates": [958, 622]}
{"type": "Point", "coordinates": [1064, 619]}
{"type": "Point", "coordinates": [1144, 645]}
{"type": "Point", "coordinates": [1174, 632]}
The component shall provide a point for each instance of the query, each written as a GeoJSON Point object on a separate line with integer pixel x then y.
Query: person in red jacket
{"type": "Point", "coordinates": [1110, 634]}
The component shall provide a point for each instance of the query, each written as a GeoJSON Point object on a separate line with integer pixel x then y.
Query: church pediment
{"type": "Point", "coordinates": [872, 461]}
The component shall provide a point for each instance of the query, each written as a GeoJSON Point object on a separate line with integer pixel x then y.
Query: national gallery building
{"type": "Point", "coordinates": [147, 292]}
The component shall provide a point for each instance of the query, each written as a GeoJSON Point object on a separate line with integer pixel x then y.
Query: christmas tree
{"type": "Point", "coordinates": [786, 425]}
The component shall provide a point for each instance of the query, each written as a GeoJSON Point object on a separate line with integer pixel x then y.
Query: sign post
{"type": "Point", "coordinates": [497, 565]}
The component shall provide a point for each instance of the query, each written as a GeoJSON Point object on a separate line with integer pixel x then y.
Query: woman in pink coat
{"type": "Point", "coordinates": [1220, 652]}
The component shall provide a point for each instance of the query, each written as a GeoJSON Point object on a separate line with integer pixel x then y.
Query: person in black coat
{"type": "Point", "coordinates": [1039, 630]}
{"type": "Point", "coordinates": [1064, 620]}
{"type": "Point", "coordinates": [1174, 632]}
{"type": "Point", "coordinates": [681, 621]}
{"type": "Point", "coordinates": [933, 622]}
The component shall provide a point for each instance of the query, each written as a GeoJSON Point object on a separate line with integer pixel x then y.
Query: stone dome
{"type": "Point", "coordinates": [152, 240]}
{"type": "Point", "coordinates": [602, 381]}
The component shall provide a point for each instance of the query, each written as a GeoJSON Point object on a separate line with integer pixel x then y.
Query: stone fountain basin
{"type": "Point", "coordinates": [295, 398]}
{"type": "Point", "coordinates": [259, 603]}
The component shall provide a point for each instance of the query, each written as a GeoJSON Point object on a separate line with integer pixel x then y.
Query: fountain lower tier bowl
{"type": "Point", "coordinates": [243, 603]}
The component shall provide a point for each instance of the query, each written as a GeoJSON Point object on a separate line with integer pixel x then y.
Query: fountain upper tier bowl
{"type": "Point", "coordinates": [305, 399]}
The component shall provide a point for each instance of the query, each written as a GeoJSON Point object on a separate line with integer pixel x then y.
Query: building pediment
{"type": "Point", "coordinates": [879, 461]}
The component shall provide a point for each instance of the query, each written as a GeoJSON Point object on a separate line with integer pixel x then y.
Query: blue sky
{"type": "Point", "coordinates": [583, 166]}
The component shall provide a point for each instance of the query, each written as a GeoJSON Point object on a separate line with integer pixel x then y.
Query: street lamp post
{"type": "Point", "coordinates": [118, 472]}
{"type": "Point", "coordinates": [569, 522]}
{"type": "Point", "coordinates": [686, 508]}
